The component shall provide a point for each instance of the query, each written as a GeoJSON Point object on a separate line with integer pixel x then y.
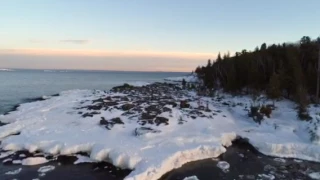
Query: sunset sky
{"type": "Point", "coordinates": [144, 35]}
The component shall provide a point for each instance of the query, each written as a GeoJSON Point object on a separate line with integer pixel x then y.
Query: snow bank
{"type": "Point", "coordinates": [54, 126]}
{"type": "Point", "coordinates": [34, 161]}
{"type": "Point", "coordinates": [189, 78]}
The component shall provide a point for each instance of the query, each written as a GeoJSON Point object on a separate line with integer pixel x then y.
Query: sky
{"type": "Point", "coordinates": [144, 35]}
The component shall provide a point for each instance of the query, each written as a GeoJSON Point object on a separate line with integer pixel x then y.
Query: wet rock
{"type": "Point", "coordinates": [144, 130]}
{"type": "Point", "coordinates": [161, 120]}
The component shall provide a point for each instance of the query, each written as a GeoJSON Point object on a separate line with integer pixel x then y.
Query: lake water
{"type": "Point", "coordinates": [19, 86]}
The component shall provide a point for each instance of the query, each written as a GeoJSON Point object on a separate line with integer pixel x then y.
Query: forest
{"type": "Point", "coordinates": [289, 70]}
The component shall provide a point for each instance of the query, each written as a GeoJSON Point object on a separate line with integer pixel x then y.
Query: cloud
{"type": "Point", "coordinates": [75, 41]}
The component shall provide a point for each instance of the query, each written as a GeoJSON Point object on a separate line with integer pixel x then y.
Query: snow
{"type": "Point", "coordinates": [14, 172]}
{"type": "Point", "coordinates": [54, 126]}
{"type": "Point", "coordinates": [315, 175]}
{"type": "Point", "coordinates": [46, 169]}
{"type": "Point", "coordinates": [34, 161]}
{"type": "Point", "coordinates": [191, 178]}
{"type": "Point", "coordinates": [189, 78]}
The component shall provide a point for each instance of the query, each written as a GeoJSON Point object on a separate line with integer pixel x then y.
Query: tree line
{"type": "Point", "coordinates": [289, 70]}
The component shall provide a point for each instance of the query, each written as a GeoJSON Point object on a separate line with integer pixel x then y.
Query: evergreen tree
{"type": "Point", "coordinates": [274, 87]}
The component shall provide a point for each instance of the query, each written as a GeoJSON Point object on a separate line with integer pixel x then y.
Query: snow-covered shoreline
{"type": "Point", "coordinates": [169, 135]}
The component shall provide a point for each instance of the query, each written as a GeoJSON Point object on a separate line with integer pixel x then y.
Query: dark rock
{"type": "Point", "coordinates": [66, 159]}
{"type": "Point", "coordinates": [148, 116]}
{"type": "Point", "coordinates": [127, 107]}
{"type": "Point", "coordinates": [100, 100]}
{"type": "Point", "coordinates": [103, 121]}
{"type": "Point", "coordinates": [110, 103]}
{"type": "Point", "coordinates": [108, 98]}
{"type": "Point", "coordinates": [125, 98]}
{"type": "Point", "coordinates": [166, 109]}
{"type": "Point", "coordinates": [144, 130]}
{"type": "Point", "coordinates": [161, 120]}
{"type": "Point", "coordinates": [95, 107]}
{"type": "Point", "coordinates": [90, 114]}
{"type": "Point", "coordinates": [154, 109]}
{"type": "Point", "coordinates": [116, 121]}
{"type": "Point", "coordinates": [184, 104]}
{"type": "Point", "coordinates": [225, 103]}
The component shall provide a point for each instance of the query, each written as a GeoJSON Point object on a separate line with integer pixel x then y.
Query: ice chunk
{"type": "Point", "coordinates": [34, 161]}
{"type": "Point", "coordinates": [14, 172]}
{"type": "Point", "coordinates": [16, 162]}
{"type": "Point", "coordinates": [191, 178]}
{"type": "Point", "coordinates": [223, 165]}
{"type": "Point", "coordinates": [46, 169]}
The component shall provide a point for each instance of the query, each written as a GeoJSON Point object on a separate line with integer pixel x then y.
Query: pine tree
{"type": "Point", "coordinates": [274, 87]}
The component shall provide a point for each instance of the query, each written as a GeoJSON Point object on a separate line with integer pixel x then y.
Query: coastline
{"type": "Point", "coordinates": [122, 91]}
